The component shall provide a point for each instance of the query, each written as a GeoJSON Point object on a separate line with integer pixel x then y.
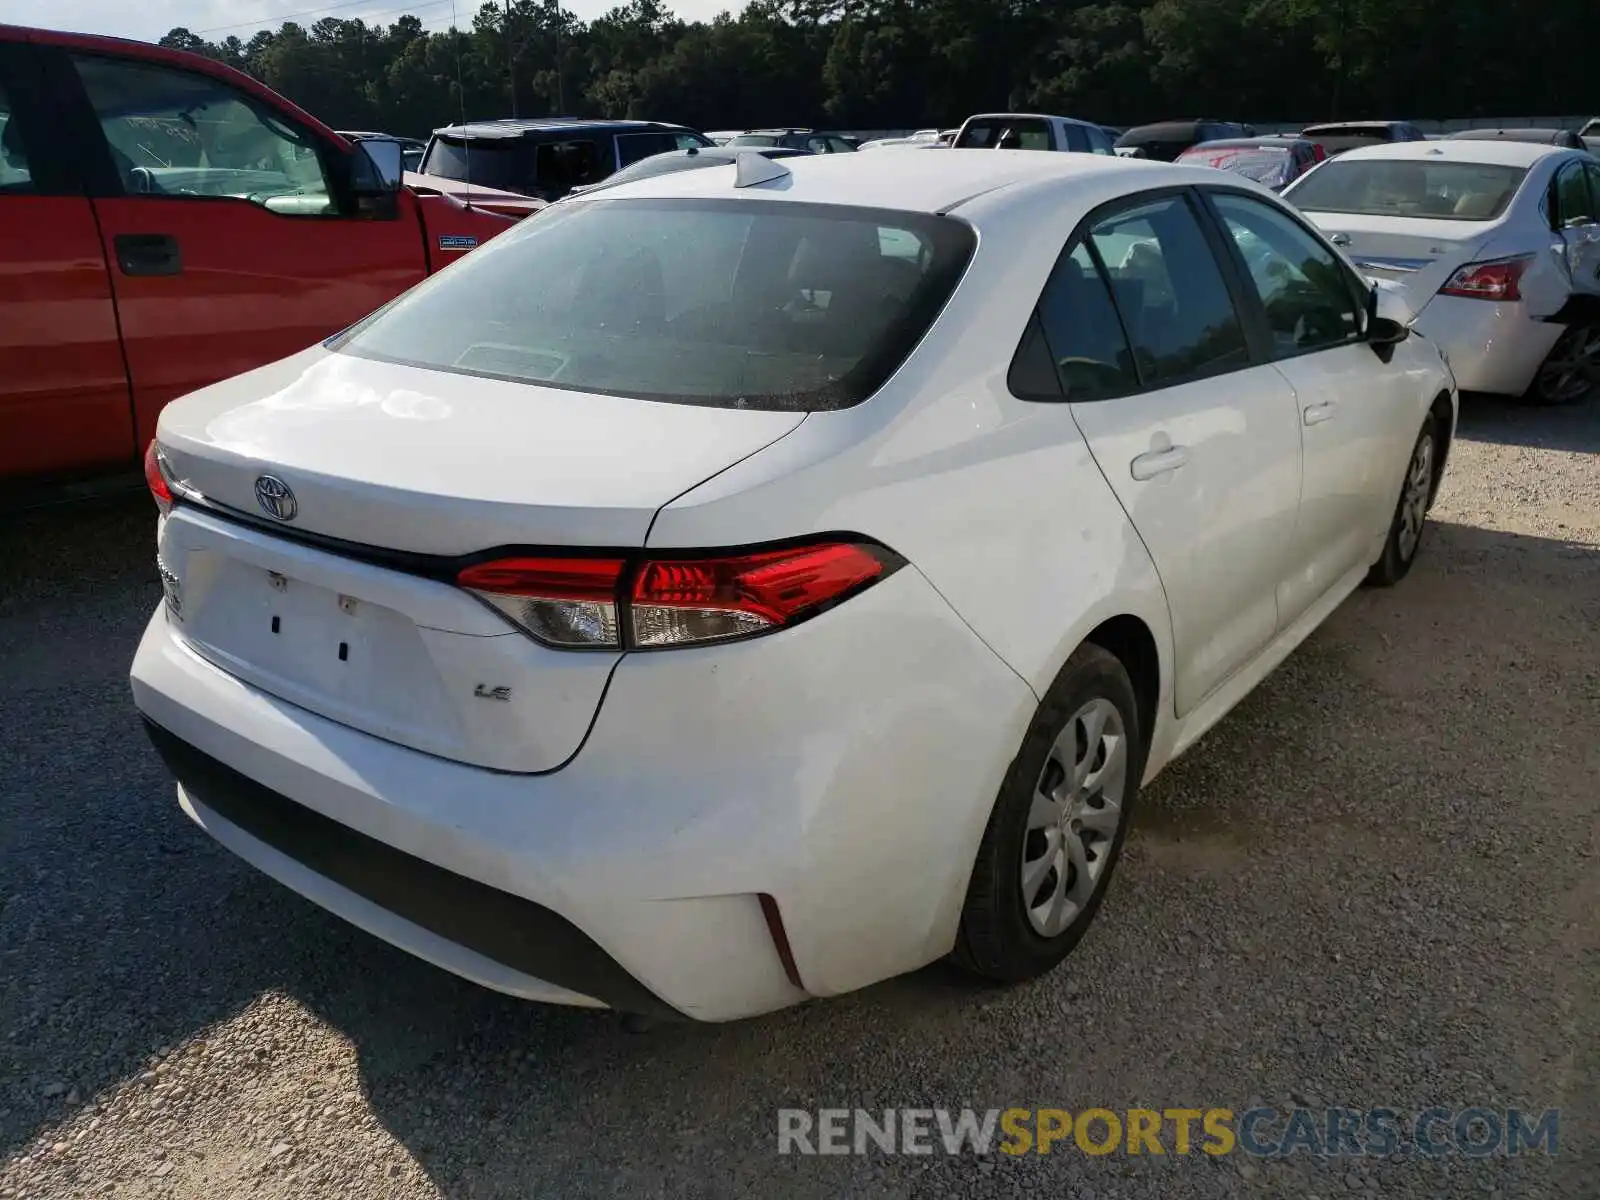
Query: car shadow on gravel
{"type": "Point", "coordinates": [124, 931]}
{"type": "Point", "coordinates": [1510, 422]}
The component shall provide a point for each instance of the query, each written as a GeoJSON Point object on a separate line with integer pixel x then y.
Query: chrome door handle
{"type": "Point", "coordinates": [1158, 462]}
{"type": "Point", "coordinates": [1316, 414]}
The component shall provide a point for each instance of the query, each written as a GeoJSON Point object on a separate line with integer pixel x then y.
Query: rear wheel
{"type": "Point", "coordinates": [1058, 825]}
{"type": "Point", "coordinates": [1572, 370]}
{"type": "Point", "coordinates": [1411, 513]}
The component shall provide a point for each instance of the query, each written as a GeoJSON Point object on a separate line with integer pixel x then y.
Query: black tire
{"type": "Point", "coordinates": [1395, 563]}
{"type": "Point", "coordinates": [1571, 371]}
{"type": "Point", "coordinates": [996, 939]}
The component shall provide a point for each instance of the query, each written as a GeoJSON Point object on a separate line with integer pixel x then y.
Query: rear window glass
{"type": "Point", "coordinates": [1163, 145]}
{"type": "Point", "coordinates": [1338, 143]}
{"type": "Point", "coordinates": [1002, 133]}
{"type": "Point", "coordinates": [734, 303]}
{"type": "Point", "coordinates": [485, 162]}
{"type": "Point", "coordinates": [1388, 187]}
{"type": "Point", "coordinates": [1270, 166]}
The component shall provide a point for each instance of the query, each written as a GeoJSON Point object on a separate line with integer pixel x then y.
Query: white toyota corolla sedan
{"type": "Point", "coordinates": [1496, 245]}
{"type": "Point", "coordinates": [751, 583]}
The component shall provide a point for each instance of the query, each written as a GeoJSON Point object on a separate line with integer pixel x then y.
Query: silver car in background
{"type": "Point", "coordinates": [1495, 244]}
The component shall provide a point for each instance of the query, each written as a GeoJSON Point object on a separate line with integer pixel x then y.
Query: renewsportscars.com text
{"type": "Point", "coordinates": [1261, 1132]}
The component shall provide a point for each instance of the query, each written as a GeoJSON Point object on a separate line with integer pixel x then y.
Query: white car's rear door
{"type": "Point", "coordinates": [1201, 446]}
{"type": "Point", "coordinates": [1578, 204]}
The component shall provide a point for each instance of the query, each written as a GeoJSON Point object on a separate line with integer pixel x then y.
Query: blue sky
{"type": "Point", "coordinates": [149, 19]}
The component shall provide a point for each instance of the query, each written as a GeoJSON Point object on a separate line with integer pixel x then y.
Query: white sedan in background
{"type": "Point", "coordinates": [793, 590]}
{"type": "Point", "coordinates": [1496, 245]}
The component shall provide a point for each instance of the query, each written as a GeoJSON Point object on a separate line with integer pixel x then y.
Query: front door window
{"type": "Point", "coordinates": [174, 133]}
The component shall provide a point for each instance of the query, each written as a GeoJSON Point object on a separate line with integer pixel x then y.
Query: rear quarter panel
{"type": "Point", "coordinates": [996, 501]}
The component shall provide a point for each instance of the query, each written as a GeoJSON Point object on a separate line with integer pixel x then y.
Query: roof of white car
{"type": "Point", "coordinates": [910, 182]}
{"type": "Point", "coordinates": [1507, 153]}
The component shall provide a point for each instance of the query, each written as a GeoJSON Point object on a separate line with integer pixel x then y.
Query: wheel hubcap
{"type": "Point", "coordinates": [1072, 825]}
{"type": "Point", "coordinates": [1414, 500]}
{"type": "Point", "coordinates": [1573, 366]}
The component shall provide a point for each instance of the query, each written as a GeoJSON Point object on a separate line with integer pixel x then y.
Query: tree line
{"type": "Point", "coordinates": [876, 64]}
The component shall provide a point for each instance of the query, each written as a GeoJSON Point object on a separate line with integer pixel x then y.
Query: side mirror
{"type": "Point", "coordinates": [1387, 321]}
{"type": "Point", "coordinates": [378, 167]}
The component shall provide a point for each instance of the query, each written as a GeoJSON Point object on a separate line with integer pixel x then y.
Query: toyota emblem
{"type": "Point", "coordinates": [275, 498]}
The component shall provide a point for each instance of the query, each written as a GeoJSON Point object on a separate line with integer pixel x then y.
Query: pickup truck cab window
{"type": "Point", "coordinates": [174, 133]}
{"type": "Point", "coordinates": [1007, 133]}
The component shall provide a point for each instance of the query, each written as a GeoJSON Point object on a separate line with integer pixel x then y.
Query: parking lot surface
{"type": "Point", "coordinates": [1377, 883]}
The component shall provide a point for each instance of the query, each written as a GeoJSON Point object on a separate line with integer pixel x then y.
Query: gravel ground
{"type": "Point", "coordinates": [1376, 883]}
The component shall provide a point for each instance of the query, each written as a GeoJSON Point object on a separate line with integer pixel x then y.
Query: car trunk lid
{"type": "Point", "coordinates": [333, 588]}
{"type": "Point", "coordinates": [441, 463]}
{"type": "Point", "coordinates": [1417, 254]}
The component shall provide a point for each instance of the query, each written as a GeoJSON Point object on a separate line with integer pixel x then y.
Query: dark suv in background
{"type": "Point", "coordinates": [1165, 140]}
{"type": "Point", "coordinates": [1338, 136]}
{"type": "Point", "coordinates": [547, 157]}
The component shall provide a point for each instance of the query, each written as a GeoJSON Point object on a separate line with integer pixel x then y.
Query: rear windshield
{"type": "Point", "coordinates": [485, 162]}
{"type": "Point", "coordinates": [1349, 139]}
{"type": "Point", "coordinates": [733, 303]}
{"type": "Point", "coordinates": [1162, 145]}
{"type": "Point", "coordinates": [1388, 187]}
{"type": "Point", "coordinates": [1270, 166]}
{"type": "Point", "coordinates": [1005, 133]}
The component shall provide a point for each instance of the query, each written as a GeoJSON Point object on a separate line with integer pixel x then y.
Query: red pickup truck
{"type": "Point", "coordinates": [167, 222]}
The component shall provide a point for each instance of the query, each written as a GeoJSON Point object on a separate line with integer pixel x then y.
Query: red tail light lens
{"type": "Point", "coordinates": [1498, 279]}
{"type": "Point", "coordinates": [710, 599]}
{"type": "Point", "coordinates": [567, 602]}
{"type": "Point", "coordinates": [578, 603]}
{"type": "Point", "coordinates": [155, 477]}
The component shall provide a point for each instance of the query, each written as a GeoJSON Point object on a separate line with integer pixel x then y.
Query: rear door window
{"type": "Point", "coordinates": [1077, 139]}
{"type": "Point", "coordinates": [1592, 170]}
{"type": "Point", "coordinates": [1574, 202]}
{"type": "Point", "coordinates": [563, 165]}
{"type": "Point", "coordinates": [1088, 347]}
{"type": "Point", "coordinates": [1170, 292]}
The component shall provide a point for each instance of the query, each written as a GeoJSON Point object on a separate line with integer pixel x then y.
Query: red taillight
{"type": "Point", "coordinates": [579, 602]}
{"type": "Point", "coordinates": [156, 478]}
{"type": "Point", "coordinates": [1498, 279]}
{"type": "Point", "coordinates": [708, 599]}
{"type": "Point", "coordinates": [569, 602]}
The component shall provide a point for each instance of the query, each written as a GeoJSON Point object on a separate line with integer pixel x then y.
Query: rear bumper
{"type": "Point", "coordinates": [1494, 348]}
{"type": "Point", "coordinates": [845, 769]}
{"type": "Point", "coordinates": [558, 961]}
